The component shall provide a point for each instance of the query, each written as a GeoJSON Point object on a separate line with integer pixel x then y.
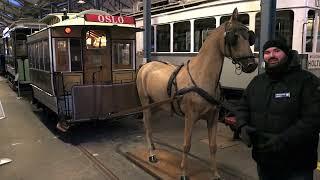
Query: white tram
{"type": "Point", "coordinates": [83, 66]}
{"type": "Point", "coordinates": [179, 29]}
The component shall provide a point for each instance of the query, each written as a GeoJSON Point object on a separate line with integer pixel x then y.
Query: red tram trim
{"type": "Point", "coordinates": [110, 19]}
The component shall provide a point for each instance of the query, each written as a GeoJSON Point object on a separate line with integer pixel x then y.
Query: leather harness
{"type": "Point", "coordinates": [172, 91]}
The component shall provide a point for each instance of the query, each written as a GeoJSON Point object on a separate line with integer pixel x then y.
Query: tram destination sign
{"type": "Point", "coordinates": [313, 61]}
{"type": "Point", "coordinates": [109, 19]}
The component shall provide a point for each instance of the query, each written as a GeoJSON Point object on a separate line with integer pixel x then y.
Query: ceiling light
{"type": "Point", "coordinates": [81, 2]}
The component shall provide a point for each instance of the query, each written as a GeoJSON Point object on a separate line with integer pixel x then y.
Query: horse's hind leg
{"type": "Point", "coordinates": [148, 129]}
{"type": "Point", "coordinates": [212, 124]}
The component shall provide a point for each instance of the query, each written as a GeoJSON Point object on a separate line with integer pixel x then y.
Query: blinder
{"type": "Point", "coordinates": [231, 37]}
{"type": "Point", "coordinates": [252, 38]}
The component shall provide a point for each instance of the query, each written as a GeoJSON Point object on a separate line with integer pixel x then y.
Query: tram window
{"type": "Point", "coordinates": [75, 50]}
{"type": "Point", "coordinates": [318, 39]}
{"type": "Point", "coordinates": [46, 56]}
{"type": "Point", "coordinates": [152, 39]}
{"type": "Point", "coordinates": [34, 55]}
{"type": "Point", "coordinates": [30, 56]}
{"type": "Point", "coordinates": [62, 56]}
{"type": "Point", "coordinates": [310, 26]}
{"type": "Point", "coordinates": [37, 58]}
{"type": "Point", "coordinates": [181, 36]}
{"type": "Point", "coordinates": [10, 47]}
{"type": "Point", "coordinates": [30, 49]}
{"type": "Point", "coordinates": [21, 44]}
{"type": "Point", "coordinates": [41, 59]}
{"type": "Point", "coordinates": [243, 18]}
{"type": "Point", "coordinates": [163, 38]}
{"type": "Point", "coordinates": [202, 27]}
{"type": "Point", "coordinates": [284, 27]}
{"type": "Point", "coordinates": [96, 39]}
{"type": "Point", "coordinates": [121, 55]}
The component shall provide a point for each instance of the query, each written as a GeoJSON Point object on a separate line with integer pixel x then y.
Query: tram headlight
{"type": "Point", "coordinates": [67, 30]}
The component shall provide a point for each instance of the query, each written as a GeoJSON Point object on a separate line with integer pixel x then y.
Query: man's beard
{"type": "Point", "coordinates": [275, 71]}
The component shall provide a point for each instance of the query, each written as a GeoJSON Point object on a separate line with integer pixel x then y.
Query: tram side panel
{"type": "Point", "coordinates": [103, 82]}
{"type": "Point", "coordinates": [40, 68]}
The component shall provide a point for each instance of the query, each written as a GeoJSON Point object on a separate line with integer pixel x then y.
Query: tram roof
{"type": "Point", "coordinates": [24, 23]}
{"type": "Point", "coordinates": [78, 19]}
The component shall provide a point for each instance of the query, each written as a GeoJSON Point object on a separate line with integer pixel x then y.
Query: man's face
{"type": "Point", "coordinates": [274, 56]}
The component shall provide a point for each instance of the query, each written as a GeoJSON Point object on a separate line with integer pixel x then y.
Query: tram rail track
{"type": "Point", "coordinates": [107, 173]}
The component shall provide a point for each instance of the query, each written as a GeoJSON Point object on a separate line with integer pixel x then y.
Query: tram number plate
{"type": "Point", "coordinates": [314, 61]}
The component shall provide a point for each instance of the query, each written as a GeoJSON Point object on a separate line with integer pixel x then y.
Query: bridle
{"type": "Point", "coordinates": [230, 41]}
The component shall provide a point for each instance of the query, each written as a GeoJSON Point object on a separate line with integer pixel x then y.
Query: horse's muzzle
{"type": "Point", "coordinates": [250, 67]}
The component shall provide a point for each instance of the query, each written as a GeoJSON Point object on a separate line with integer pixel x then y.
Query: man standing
{"type": "Point", "coordinates": [279, 115]}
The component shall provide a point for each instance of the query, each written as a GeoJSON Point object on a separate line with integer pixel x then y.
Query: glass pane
{"type": "Point", "coordinates": [310, 26]}
{"type": "Point", "coordinates": [318, 38]}
{"type": "Point", "coordinates": [75, 50]}
{"type": "Point", "coordinates": [96, 39]}
{"type": "Point", "coordinates": [10, 46]}
{"type": "Point", "coordinates": [181, 37]}
{"type": "Point", "coordinates": [121, 55]}
{"type": "Point", "coordinates": [21, 48]}
{"type": "Point", "coordinates": [46, 55]}
{"type": "Point", "coordinates": [243, 18]}
{"type": "Point", "coordinates": [163, 38]}
{"type": "Point", "coordinates": [40, 54]}
{"type": "Point", "coordinates": [37, 58]}
{"type": "Point", "coordinates": [284, 27]}
{"type": "Point", "coordinates": [62, 58]}
{"type": "Point", "coordinates": [152, 39]}
{"type": "Point", "coordinates": [30, 57]}
{"type": "Point", "coordinates": [202, 28]}
{"type": "Point", "coordinates": [34, 55]}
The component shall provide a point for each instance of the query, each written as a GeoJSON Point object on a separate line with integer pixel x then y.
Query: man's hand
{"type": "Point", "coordinates": [274, 144]}
{"type": "Point", "coordinates": [246, 133]}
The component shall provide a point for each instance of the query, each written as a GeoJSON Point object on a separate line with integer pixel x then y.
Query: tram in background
{"type": "Point", "coordinates": [2, 64]}
{"type": "Point", "coordinates": [179, 29]}
{"type": "Point", "coordinates": [15, 50]}
{"type": "Point", "coordinates": [83, 66]}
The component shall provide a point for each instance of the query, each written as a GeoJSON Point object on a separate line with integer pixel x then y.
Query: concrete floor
{"type": "Point", "coordinates": [29, 137]}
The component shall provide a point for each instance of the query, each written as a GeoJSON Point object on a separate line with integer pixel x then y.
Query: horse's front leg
{"type": "Point", "coordinates": [212, 124]}
{"type": "Point", "coordinates": [148, 129]}
{"type": "Point", "coordinates": [189, 122]}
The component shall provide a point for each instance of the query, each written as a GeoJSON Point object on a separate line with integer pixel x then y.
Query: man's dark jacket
{"type": "Point", "coordinates": [287, 107]}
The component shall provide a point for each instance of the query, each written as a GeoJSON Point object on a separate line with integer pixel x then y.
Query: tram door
{"type": "Point", "coordinates": [97, 58]}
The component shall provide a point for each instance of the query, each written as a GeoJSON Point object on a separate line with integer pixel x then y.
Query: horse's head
{"type": "Point", "coordinates": [237, 41]}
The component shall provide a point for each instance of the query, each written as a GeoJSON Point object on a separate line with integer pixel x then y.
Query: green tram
{"type": "Point", "coordinates": [15, 50]}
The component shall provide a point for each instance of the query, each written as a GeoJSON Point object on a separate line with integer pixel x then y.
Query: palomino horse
{"type": "Point", "coordinates": [200, 76]}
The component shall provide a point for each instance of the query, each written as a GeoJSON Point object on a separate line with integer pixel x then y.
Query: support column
{"type": "Point", "coordinates": [268, 21]}
{"type": "Point", "coordinates": [147, 30]}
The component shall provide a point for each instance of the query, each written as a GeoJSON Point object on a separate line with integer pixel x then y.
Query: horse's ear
{"type": "Point", "coordinates": [234, 15]}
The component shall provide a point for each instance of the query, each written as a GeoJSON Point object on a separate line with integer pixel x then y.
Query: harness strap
{"type": "Point", "coordinates": [192, 80]}
{"type": "Point", "coordinates": [172, 80]}
{"type": "Point", "coordinates": [204, 94]}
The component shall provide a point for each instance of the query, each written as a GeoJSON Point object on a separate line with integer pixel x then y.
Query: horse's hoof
{"type": "Point", "coordinates": [184, 178]}
{"type": "Point", "coordinates": [153, 159]}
